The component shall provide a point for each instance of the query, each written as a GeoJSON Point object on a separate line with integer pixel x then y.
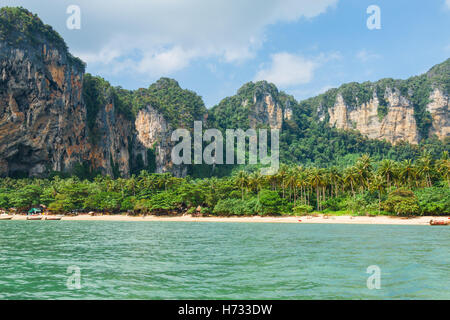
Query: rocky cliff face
{"type": "Point", "coordinates": [394, 110]}
{"type": "Point", "coordinates": [439, 109]}
{"type": "Point", "coordinates": [43, 116]}
{"type": "Point", "coordinates": [154, 132]}
{"type": "Point", "coordinates": [397, 125]}
{"type": "Point", "coordinates": [254, 105]}
{"type": "Point", "coordinates": [112, 154]}
{"type": "Point", "coordinates": [266, 109]}
{"type": "Point", "coordinates": [42, 119]}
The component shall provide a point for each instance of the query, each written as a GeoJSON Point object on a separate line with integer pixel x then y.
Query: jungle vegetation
{"type": "Point", "coordinates": [366, 187]}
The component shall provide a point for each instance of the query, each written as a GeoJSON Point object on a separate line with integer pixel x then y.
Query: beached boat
{"type": "Point", "coordinates": [5, 217]}
{"type": "Point", "coordinates": [53, 218]}
{"type": "Point", "coordinates": [439, 223]}
{"type": "Point", "coordinates": [34, 217]}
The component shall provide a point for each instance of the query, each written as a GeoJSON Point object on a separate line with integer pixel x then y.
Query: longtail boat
{"type": "Point", "coordinates": [53, 218]}
{"type": "Point", "coordinates": [439, 223]}
{"type": "Point", "coordinates": [34, 217]}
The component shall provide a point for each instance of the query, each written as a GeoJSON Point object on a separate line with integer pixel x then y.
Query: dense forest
{"type": "Point", "coordinates": [366, 187]}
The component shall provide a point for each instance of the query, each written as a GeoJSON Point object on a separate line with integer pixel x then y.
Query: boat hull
{"type": "Point", "coordinates": [6, 218]}
{"type": "Point", "coordinates": [34, 218]}
{"type": "Point", "coordinates": [53, 218]}
{"type": "Point", "coordinates": [439, 223]}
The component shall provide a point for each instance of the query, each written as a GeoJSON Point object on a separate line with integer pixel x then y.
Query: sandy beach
{"type": "Point", "coordinates": [304, 219]}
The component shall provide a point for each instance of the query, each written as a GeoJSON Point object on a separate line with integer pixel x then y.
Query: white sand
{"type": "Point", "coordinates": [304, 219]}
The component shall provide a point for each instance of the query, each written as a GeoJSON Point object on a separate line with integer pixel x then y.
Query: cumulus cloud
{"type": "Point", "coordinates": [163, 36]}
{"type": "Point", "coordinates": [287, 70]}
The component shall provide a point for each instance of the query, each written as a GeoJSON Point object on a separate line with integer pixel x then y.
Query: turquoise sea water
{"type": "Point", "coordinates": [182, 260]}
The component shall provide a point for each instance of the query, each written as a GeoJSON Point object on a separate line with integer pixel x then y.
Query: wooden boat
{"type": "Point", "coordinates": [53, 218]}
{"type": "Point", "coordinates": [439, 223]}
{"type": "Point", "coordinates": [5, 217]}
{"type": "Point", "coordinates": [34, 217]}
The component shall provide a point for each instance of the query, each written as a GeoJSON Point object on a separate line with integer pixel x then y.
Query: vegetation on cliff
{"type": "Point", "coordinates": [234, 112]}
{"type": "Point", "coordinates": [21, 28]}
{"type": "Point", "coordinates": [365, 187]}
{"type": "Point", "coordinates": [306, 140]}
{"type": "Point", "coordinates": [416, 90]}
{"type": "Point", "coordinates": [180, 107]}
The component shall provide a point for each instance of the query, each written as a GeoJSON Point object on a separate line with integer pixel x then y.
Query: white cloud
{"type": "Point", "coordinates": [447, 4]}
{"type": "Point", "coordinates": [163, 36]}
{"type": "Point", "coordinates": [365, 56]}
{"type": "Point", "coordinates": [287, 70]}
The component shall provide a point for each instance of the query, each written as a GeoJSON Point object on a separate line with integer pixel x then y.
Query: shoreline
{"type": "Point", "coordinates": [376, 220]}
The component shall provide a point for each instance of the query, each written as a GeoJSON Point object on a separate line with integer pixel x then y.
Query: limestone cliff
{"type": "Point", "coordinates": [116, 149]}
{"type": "Point", "coordinates": [393, 110]}
{"type": "Point", "coordinates": [52, 119]}
{"type": "Point", "coordinates": [255, 105]}
{"type": "Point", "coordinates": [439, 109]}
{"type": "Point", "coordinates": [42, 119]}
{"type": "Point", "coordinates": [154, 132]}
{"type": "Point", "coordinates": [398, 124]}
{"type": "Point", "coordinates": [266, 108]}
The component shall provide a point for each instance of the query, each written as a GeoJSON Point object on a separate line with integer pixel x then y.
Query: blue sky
{"type": "Point", "coordinates": [213, 47]}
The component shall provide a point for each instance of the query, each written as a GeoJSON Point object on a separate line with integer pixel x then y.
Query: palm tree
{"type": "Point", "coordinates": [387, 170]}
{"type": "Point", "coordinates": [242, 181]}
{"type": "Point", "coordinates": [366, 162]}
{"type": "Point", "coordinates": [255, 182]}
{"type": "Point", "coordinates": [316, 179]}
{"type": "Point", "coordinates": [351, 178]}
{"type": "Point", "coordinates": [378, 183]}
{"type": "Point", "coordinates": [281, 177]}
{"type": "Point", "coordinates": [335, 180]}
{"type": "Point", "coordinates": [272, 180]}
{"type": "Point", "coordinates": [131, 184]}
{"type": "Point", "coordinates": [443, 167]}
{"type": "Point", "coordinates": [291, 181]}
{"type": "Point", "coordinates": [425, 168]}
{"type": "Point", "coordinates": [302, 183]}
{"type": "Point", "coordinates": [363, 167]}
{"type": "Point", "coordinates": [407, 171]}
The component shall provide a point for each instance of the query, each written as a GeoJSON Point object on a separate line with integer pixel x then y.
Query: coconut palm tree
{"type": "Point", "coordinates": [442, 167]}
{"type": "Point", "coordinates": [335, 180]}
{"type": "Point", "coordinates": [425, 168]}
{"type": "Point", "coordinates": [316, 179]}
{"type": "Point", "coordinates": [302, 183]}
{"type": "Point", "coordinates": [256, 182]}
{"type": "Point", "coordinates": [351, 177]}
{"type": "Point", "coordinates": [291, 181]}
{"type": "Point", "coordinates": [281, 177]}
{"type": "Point", "coordinates": [387, 170]}
{"type": "Point", "coordinates": [407, 172]}
{"type": "Point", "coordinates": [363, 167]}
{"type": "Point", "coordinates": [241, 180]}
{"type": "Point", "coordinates": [378, 183]}
{"type": "Point", "coordinates": [131, 184]}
